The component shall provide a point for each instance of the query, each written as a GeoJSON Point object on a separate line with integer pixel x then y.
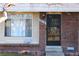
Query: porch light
{"type": "Point", "coordinates": [4, 17]}
{"type": "Point", "coordinates": [42, 15]}
{"type": "Point", "coordinates": [5, 12]}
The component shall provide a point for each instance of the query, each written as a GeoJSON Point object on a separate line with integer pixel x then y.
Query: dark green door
{"type": "Point", "coordinates": [53, 29]}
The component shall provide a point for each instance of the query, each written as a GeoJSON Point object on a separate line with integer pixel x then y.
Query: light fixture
{"type": "Point", "coordinates": [5, 17]}
{"type": "Point", "coordinates": [42, 15]}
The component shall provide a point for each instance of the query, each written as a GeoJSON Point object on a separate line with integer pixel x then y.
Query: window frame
{"type": "Point", "coordinates": [25, 31]}
{"type": "Point", "coordinates": [34, 40]}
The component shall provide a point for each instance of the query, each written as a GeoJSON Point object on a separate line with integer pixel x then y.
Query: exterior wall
{"type": "Point", "coordinates": [34, 49]}
{"type": "Point", "coordinates": [69, 32]}
{"type": "Point", "coordinates": [78, 32]}
{"type": "Point", "coordinates": [69, 36]}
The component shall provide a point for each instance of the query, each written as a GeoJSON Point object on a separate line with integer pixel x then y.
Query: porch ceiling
{"type": "Point", "coordinates": [45, 7]}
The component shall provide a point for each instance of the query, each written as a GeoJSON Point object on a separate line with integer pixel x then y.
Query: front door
{"type": "Point", "coordinates": [53, 29]}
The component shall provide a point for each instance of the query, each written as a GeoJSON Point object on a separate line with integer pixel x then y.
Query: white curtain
{"type": "Point", "coordinates": [21, 25]}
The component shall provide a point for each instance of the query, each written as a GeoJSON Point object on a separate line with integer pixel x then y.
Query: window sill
{"type": "Point", "coordinates": [21, 45]}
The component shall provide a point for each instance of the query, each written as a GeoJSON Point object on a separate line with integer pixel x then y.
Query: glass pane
{"type": "Point", "coordinates": [53, 38]}
{"type": "Point", "coordinates": [8, 27]}
{"type": "Point", "coordinates": [52, 21]}
{"type": "Point", "coordinates": [19, 25]}
{"type": "Point", "coordinates": [19, 29]}
{"type": "Point", "coordinates": [53, 31]}
{"type": "Point", "coordinates": [28, 27]}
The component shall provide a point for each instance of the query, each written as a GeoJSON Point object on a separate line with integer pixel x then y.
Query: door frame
{"type": "Point", "coordinates": [59, 13]}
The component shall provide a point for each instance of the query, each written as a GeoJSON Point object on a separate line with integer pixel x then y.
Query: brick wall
{"type": "Point", "coordinates": [69, 36]}
{"type": "Point", "coordinates": [78, 32]}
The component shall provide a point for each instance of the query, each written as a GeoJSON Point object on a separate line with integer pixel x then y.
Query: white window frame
{"type": "Point", "coordinates": [23, 40]}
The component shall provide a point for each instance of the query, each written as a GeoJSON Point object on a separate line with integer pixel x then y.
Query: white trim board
{"type": "Point", "coordinates": [43, 7]}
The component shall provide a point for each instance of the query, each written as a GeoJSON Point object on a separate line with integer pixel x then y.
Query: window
{"type": "Point", "coordinates": [20, 29]}
{"type": "Point", "coordinates": [19, 25]}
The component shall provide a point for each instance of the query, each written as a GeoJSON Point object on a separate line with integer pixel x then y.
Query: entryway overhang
{"type": "Point", "coordinates": [43, 7]}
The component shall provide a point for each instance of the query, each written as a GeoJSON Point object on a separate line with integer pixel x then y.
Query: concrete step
{"type": "Point", "coordinates": [54, 54]}
{"type": "Point", "coordinates": [54, 51]}
{"type": "Point", "coordinates": [53, 48]}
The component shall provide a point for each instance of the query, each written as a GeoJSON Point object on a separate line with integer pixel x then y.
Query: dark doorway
{"type": "Point", "coordinates": [53, 29]}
